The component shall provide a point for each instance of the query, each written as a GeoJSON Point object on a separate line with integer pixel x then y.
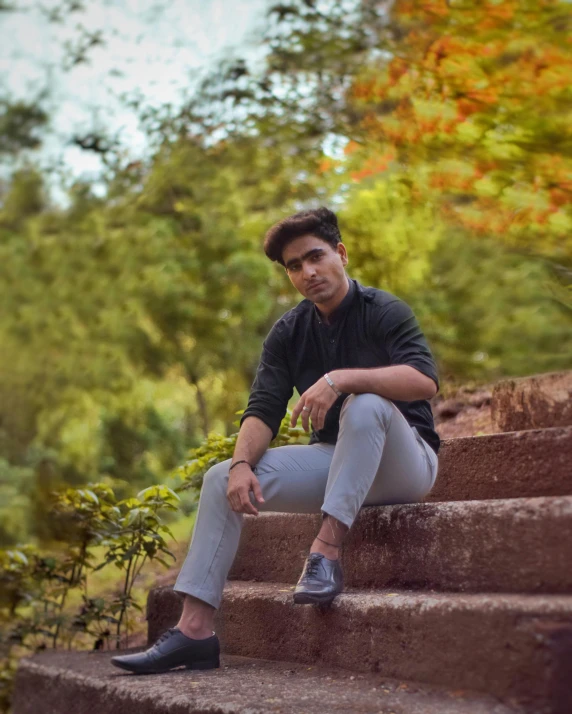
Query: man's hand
{"type": "Point", "coordinates": [318, 399]}
{"type": "Point", "coordinates": [241, 481]}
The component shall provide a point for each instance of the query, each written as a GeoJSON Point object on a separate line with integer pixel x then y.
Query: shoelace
{"type": "Point", "coordinates": [313, 564]}
{"type": "Point", "coordinates": [166, 635]}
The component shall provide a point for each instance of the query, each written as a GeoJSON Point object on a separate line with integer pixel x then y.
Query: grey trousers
{"type": "Point", "coordinates": [378, 460]}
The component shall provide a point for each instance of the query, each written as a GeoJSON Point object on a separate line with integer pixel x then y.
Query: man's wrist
{"type": "Point", "coordinates": [332, 384]}
{"type": "Point", "coordinates": [239, 462]}
{"type": "Point", "coordinates": [241, 468]}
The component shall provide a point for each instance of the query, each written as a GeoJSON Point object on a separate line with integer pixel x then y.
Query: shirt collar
{"type": "Point", "coordinates": [342, 308]}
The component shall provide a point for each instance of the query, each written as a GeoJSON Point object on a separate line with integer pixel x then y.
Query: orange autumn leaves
{"type": "Point", "coordinates": [473, 101]}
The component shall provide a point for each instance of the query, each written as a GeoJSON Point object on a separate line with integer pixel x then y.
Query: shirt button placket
{"type": "Point", "coordinates": [332, 342]}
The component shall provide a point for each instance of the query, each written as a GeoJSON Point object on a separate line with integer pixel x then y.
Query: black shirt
{"type": "Point", "coordinates": [370, 328]}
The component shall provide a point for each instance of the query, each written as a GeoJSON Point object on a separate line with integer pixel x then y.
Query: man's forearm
{"type": "Point", "coordinates": [253, 440]}
{"type": "Point", "coordinates": [400, 382]}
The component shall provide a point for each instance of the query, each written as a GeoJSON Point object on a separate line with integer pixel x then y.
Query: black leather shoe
{"type": "Point", "coordinates": [172, 649]}
{"type": "Point", "coordinates": [320, 582]}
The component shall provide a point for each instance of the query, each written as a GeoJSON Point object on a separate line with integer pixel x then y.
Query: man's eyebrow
{"type": "Point", "coordinates": [314, 251]}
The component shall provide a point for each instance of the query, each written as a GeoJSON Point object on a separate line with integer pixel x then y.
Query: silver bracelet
{"type": "Point", "coordinates": [332, 385]}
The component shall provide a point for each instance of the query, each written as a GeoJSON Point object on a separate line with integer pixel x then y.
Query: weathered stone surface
{"type": "Point", "coordinates": [512, 545]}
{"type": "Point", "coordinates": [557, 643]}
{"type": "Point", "coordinates": [489, 643]}
{"type": "Point", "coordinates": [537, 402]}
{"type": "Point", "coordinates": [72, 683]}
{"type": "Point", "coordinates": [536, 462]}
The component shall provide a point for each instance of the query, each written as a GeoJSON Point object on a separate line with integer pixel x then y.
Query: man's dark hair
{"type": "Point", "coordinates": [319, 222]}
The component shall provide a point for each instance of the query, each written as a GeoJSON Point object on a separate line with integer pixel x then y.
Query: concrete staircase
{"type": "Point", "coordinates": [459, 604]}
{"type": "Point", "coordinates": [85, 683]}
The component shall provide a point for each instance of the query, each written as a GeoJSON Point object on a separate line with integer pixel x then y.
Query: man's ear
{"type": "Point", "coordinates": [343, 253]}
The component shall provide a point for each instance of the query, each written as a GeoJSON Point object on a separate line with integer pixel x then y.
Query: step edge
{"type": "Point", "coordinates": [473, 697]}
{"type": "Point", "coordinates": [528, 602]}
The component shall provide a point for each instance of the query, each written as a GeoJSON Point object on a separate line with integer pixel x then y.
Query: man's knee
{"type": "Point", "coordinates": [363, 411]}
{"type": "Point", "coordinates": [216, 478]}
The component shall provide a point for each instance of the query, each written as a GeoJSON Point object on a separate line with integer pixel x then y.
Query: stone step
{"type": "Point", "coordinates": [512, 545]}
{"type": "Point", "coordinates": [82, 683]}
{"type": "Point", "coordinates": [536, 402]}
{"type": "Point", "coordinates": [517, 464]}
{"type": "Point", "coordinates": [503, 645]}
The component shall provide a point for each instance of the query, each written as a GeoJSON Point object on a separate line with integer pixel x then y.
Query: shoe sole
{"type": "Point", "coordinates": [204, 664]}
{"type": "Point", "coordinates": [207, 664]}
{"type": "Point", "coordinates": [309, 599]}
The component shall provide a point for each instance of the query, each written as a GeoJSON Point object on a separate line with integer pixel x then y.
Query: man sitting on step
{"type": "Point", "coordinates": [364, 373]}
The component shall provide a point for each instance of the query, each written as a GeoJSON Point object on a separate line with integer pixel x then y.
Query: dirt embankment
{"type": "Point", "coordinates": [467, 412]}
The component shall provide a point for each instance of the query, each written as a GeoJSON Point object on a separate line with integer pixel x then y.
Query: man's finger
{"type": "Point", "coordinates": [235, 502]}
{"type": "Point", "coordinates": [306, 413]}
{"type": "Point", "coordinates": [257, 491]}
{"type": "Point", "coordinates": [296, 412]}
{"type": "Point", "coordinates": [247, 507]}
{"type": "Point", "coordinates": [318, 422]}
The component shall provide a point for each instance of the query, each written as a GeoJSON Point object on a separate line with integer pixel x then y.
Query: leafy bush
{"type": "Point", "coordinates": [35, 586]}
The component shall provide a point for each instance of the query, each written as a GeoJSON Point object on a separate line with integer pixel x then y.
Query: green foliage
{"type": "Point", "coordinates": [17, 569]}
{"type": "Point", "coordinates": [19, 125]}
{"type": "Point", "coordinates": [7, 673]}
{"type": "Point", "coordinates": [133, 319]}
{"type": "Point", "coordinates": [163, 288]}
{"type": "Point", "coordinates": [16, 482]}
{"type": "Point", "coordinates": [129, 530]}
{"type": "Point", "coordinates": [481, 306]}
{"type": "Point", "coordinates": [35, 585]}
{"type": "Point", "coordinates": [390, 244]}
{"type": "Point", "coordinates": [24, 199]}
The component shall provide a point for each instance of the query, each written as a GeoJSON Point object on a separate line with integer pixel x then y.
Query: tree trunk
{"type": "Point", "coordinates": [201, 401]}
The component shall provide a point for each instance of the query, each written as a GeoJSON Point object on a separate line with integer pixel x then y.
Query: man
{"type": "Point", "coordinates": [364, 373]}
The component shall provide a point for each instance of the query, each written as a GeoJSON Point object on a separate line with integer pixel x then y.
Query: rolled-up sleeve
{"type": "Point", "coordinates": [402, 338]}
{"type": "Point", "coordinates": [273, 385]}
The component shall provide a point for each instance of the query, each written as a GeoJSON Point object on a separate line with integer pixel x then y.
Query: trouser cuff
{"type": "Point", "coordinates": [203, 595]}
{"type": "Point", "coordinates": [344, 518]}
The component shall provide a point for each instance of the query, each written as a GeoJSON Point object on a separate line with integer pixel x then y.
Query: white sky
{"type": "Point", "coordinates": [155, 48]}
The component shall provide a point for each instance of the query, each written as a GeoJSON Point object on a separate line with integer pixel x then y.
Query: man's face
{"type": "Point", "coordinates": [316, 268]}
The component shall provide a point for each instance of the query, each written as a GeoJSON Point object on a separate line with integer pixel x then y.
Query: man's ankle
{"type": "Point", "coordinates": [327, 551]}
{"type": "Point", "coordinates": [195, 632]}
{"type": "Point", "coordinates": [197, 618]}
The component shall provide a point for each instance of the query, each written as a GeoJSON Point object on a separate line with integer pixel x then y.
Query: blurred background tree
{"type": "Point", "coordinates": [134, 307]}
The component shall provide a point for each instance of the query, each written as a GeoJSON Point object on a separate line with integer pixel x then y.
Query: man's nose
{"type": "Point", "coordinates": [309, 271]}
